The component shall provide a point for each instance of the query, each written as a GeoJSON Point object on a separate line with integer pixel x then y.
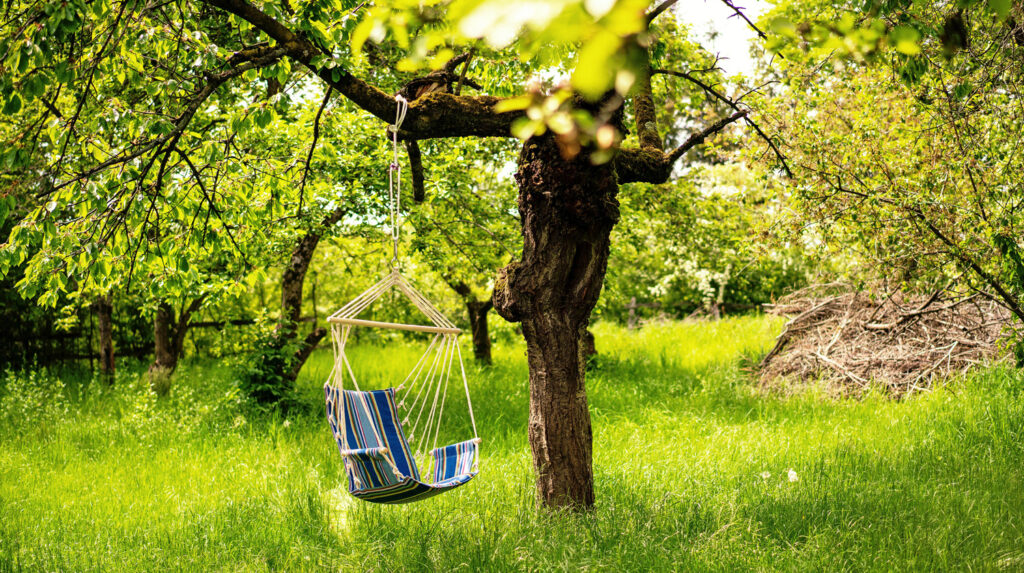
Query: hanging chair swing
{"type": "Point", "coordinates": [370, 426]}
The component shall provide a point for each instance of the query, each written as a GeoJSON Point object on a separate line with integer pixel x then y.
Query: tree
{"type": "Point", "coordinates": [909, 156]}
{"type": "Point", "coordinates": [699, 244]}
{"type": "Point", "coordinates": [464, 229]}
{"type": "Point", "coordinates": [133, 103]}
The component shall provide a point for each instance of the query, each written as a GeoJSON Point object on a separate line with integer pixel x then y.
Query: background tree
{"type": "Point", "coordinates": [910, 156]}
{"type": "Point", "coordinates": [465, 229]}
{"type": "Point", "coordinates": [699, 244]}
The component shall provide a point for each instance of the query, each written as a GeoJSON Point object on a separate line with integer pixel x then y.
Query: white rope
{"type": "Point", "coordinates": [416, 370]}
{"type": "Point", "coordinates": [344, 358]}
{"type": "Point", "coordinates": [444, 396]}
{"type": "Point", "coordinates": [422, 303]}
{"type": "Point", "coordinates": [437, 394]}
{"type": "Point", "coordinates": [395, 176]}
{"type": "Point", "coordinates": [424, 390]}
{"type": "Point", "coordinates": [465, 384]}
{"type": "Point", "coordinates": [366, 298]}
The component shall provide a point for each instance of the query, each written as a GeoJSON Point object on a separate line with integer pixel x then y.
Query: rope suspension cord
{"type": "Point", "coordinates": [395, 177]}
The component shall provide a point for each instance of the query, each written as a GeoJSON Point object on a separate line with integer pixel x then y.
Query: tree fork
{"type": "Point", "coordinates": [568, 209]}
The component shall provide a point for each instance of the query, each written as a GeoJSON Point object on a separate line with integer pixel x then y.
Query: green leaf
{"type": "Point", "coordinates": [263, 117]}
{"type": "Point", "coordinates": [905, 39]}
{"type": "Point", "coordinates": [361, 34]}
{"type": "Point", "coordinates": [1000, 7]}
{"type": "Point", "coordinates": [782, 26]}
{"type": "Point", "coordinates": [513, 104]}
{"type": "Point", "coordinates": [13, 105]}
{"type": "Point", "coordinates": [593, 75]}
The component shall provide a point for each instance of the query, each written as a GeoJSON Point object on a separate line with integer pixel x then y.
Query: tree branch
{"type": "Point", "coordinates": [711, 91]}
{"type": "Point", "coordinates": [209, 200]}
{"type": "Point", "coordinates": [312, 147]}
{"type": "Point", "coordinates": [419, 192]}
{"type": "Point", "coordinates": [646, 165]}
{"type": "Point", "coordinates": [214, 81]}
{"type": "Point", "coordinates": [432, 116]}
{"type": "Point", "coordinates": [659, 9]}
{"type": "Point", "coordinates": [698, 138]}
{"type": "Point", "coordinates": [643, 108]}
{"type": "Point", "coordinates": [737, 11]}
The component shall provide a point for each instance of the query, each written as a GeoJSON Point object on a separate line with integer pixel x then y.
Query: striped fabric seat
{"type": "Point", "coordinates": [378, 461]}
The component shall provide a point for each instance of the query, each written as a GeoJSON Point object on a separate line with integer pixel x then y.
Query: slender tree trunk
{"type": "Point", "coordinates": [104, 318]}
{"type": "Point", "coordinates": [477, 311]}
{"type": "Point", "coordinates": [478, 323]}
{"type": "Point", "coordinates": [164, 356]}
{"type": "Point", "coordinates": [168, 341]}
{"type": "Point", "coordinates": [165, 360]}
{"type": "Point", "coordinates": [292, 281]}
{"type": "Point", "coordinates": [568, 209]}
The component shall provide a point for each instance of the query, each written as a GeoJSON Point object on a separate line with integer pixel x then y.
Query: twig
{"type": "Point", "coordinates": [312, 147]}
{"type": "Point", "coordinates": [727, 101]}
{"type": "Point", "coordinates": [842, 370]}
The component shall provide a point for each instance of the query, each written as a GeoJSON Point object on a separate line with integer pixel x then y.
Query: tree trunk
{"type": "Point", "coordinates": [104, 318]}
{"type": "Point", "coordinates": [589, 346]}
{"type": "Point", "coordinates": [164, 356]}
{"type": "Point", "coordinates": [292, 281]}
{"type": "Point", "coordinates": [477, 311]}
{"type": "Point", "coordinates": [168, 341]}
{"type": "Point", "coordinates": [478, 323]}
{"type": "Point", "coordinates": [568, 209]}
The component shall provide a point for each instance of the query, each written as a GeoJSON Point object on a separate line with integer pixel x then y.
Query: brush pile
{"type": "Point", "coordinates": [901, 342]}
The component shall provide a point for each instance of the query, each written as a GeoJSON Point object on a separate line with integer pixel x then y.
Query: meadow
{"type": "Point", "coordinates": [696, 469]}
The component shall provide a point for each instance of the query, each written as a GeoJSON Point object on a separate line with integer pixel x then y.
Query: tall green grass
{"type": "Point", "coordinates": [693, 470]}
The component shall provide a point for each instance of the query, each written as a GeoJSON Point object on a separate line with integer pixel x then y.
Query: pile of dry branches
{"type": "Point", "coordinates": [902, 342]}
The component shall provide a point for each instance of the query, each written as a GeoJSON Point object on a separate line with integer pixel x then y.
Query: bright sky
{"type": "Point", "coordinates": [734, 35]}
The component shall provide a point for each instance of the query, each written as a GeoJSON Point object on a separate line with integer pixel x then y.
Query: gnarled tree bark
{"type": "Point", "coordinates": [568, 209]}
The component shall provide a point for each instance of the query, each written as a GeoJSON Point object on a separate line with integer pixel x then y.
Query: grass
{"type": "Point", "coordinates": [692, 473]}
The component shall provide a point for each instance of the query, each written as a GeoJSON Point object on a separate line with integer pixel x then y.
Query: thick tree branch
{"type": "Point", "coordinates": [643, 108]}
{"type": "Point", "coordinates": [657, 11]}
{"type": "Point", "coordinates": [419, 191]}
{"type": "Point", "coordinates": [434, 115]}
{"type": "Point", "coordinates": [646, 165]}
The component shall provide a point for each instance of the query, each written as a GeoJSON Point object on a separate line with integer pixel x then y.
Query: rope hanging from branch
{"type": "Point", "coordinates": [395, 177]}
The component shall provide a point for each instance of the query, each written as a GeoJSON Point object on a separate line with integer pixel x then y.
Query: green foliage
{"type": "Point", "coordinates": [262, 374]}
{"type": "Point", "coordinates": [700, 243]}
{"type": "Point", "coordinates": [908, 162]}
{"type": "Point", "coordinates": [198, 482]}
{"type": "Point", "coordinates": [467, 228]}
{"type": "Point", "coordinates": [872, 30]}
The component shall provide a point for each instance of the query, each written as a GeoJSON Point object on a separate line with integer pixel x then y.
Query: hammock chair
{"type": "Point", "coordinates": [369, 426]}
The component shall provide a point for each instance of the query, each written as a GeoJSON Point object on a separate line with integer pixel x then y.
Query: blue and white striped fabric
{"type": "Point", "coordinates": [378, 461]}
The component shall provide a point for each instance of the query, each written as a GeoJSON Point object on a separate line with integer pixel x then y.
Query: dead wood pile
{"type": "Point", "coordinates": [902, 342]}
